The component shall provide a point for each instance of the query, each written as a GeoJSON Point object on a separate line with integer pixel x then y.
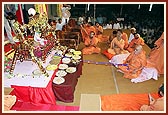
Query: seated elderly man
{"type": "Point", "coordinates": [135, 62]}
{"type": "Point", "coordinates": [137, 40]}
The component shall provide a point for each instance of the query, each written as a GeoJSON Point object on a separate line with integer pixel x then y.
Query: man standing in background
{"type": "Point", "coordinates": [131, 36]}
{"type": "Point", "coordinates": [9, 19]}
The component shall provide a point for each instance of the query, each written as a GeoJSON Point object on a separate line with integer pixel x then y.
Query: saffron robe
{"type": "Point", "coordinates": [92, 47]}
{"type": "Point", "coordinates": [135, 62]}
{"type": "Point", "coordinates": [156, 56]}
{"type": "Point", "coordinates": [135, 42]}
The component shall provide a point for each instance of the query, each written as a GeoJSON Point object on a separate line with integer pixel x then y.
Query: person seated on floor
{"type": "Point", "coordinates": [83, 30]}
{"type": "Point", "coordinates": [135, 62]}
{"type": "Point", "coordinates": [117, 44]}
{"type": "Point", "coordinates": [125, 38]}
{"type": "Point", "coordinates": [156, 56]}
{"type": "Point", "coordinates": [155, 104]}
{"type": "Point", "coordinates": [9, 101]}
{"type": "Point", "coordinates": [91, 47]}
{"type": "Point", "coordinates": [109, 53]}
{"type": "Point", "coordinates": [137, 40]}
{"type": "Point", "coordinates": [86, 30]}
{"type": "Point", "coordinates": [112, 36]}
{"type": "Point", "coordinates": [99, 33]}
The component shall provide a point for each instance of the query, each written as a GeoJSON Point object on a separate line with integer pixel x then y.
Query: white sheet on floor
{"type": "Point", "coordinates": [118, 59]}
{"type": "Point", "coordinates": [147, 74]}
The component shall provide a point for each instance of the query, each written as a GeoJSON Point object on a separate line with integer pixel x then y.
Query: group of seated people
{"type": "Point", "coordinates": [137, 59]}
{"type": "Point", "coordinates": [120, 44]}
{"type": "Point", "coordinates": [91, 36]}
{"type": "Point", "coordinates": [137, 64]}
{"type": "Point", "coordinates": [119, 41]}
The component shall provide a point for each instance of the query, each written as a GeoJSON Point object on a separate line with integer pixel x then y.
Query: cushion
{"type": "Point", "coordinates": [107, 54]}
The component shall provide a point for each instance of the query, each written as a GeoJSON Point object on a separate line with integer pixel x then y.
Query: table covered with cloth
{"type": "Point", "coordinates": [43, 95]}
{"type": "Point", "coordinates": [27, 88]}
{"type": "Point", "coordinates": [65, 91]}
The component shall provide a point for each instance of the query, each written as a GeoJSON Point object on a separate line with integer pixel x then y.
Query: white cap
{"type": "Point", "coordinates": [31, 11]}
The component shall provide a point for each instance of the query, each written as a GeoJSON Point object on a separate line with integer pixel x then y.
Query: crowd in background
{"type": "Point", "coordinates": [149, 24]}
{"type": "Point", "coordinates": [149, 27]}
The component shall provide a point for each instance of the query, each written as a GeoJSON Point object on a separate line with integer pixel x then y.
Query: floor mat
{"type": "Point", "coordinates": [90, 102]}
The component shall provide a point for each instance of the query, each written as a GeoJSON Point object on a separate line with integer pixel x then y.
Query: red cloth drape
{"type": "Point", "coordinates": [65, 91]}
{"type": "Point", "coordinates": [27, 106]}
{"type": "Point", "coordinates": [8, 47]}
{"type": "Point", "coordinates": [35, 94]}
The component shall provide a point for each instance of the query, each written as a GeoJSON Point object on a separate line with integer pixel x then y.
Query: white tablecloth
{"type": "Point", "coordinates": [23, 74]}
